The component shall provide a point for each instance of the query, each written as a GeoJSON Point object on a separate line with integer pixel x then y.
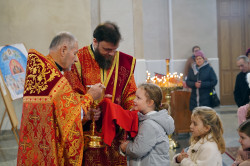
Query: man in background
{"type": "Point", "coordinates": [51, 129]}
{"type": "Point", "coordinates": [241, 89]}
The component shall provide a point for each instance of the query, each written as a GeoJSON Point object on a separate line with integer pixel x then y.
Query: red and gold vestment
{"type": "Point", "coordinates": [119, 82]}
{"type": "Point", "coordinates": [51, 128]}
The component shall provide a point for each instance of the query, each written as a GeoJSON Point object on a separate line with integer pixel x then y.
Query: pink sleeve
{"type": "Point", "coordinates": [242, 112]}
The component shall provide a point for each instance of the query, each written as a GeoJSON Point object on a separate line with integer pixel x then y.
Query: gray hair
{"type": "Point", "coordinates": [61, 38]}
{"type": "Point", "coordinates": [244, 57]}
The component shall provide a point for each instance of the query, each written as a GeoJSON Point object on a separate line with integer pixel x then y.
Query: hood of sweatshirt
{"type": "Point", "coordinates": [162, 118]}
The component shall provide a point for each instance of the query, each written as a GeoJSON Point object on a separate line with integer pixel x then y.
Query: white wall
{"type": "Point", "coordinates": [120, 12]}
{"type": "Point", "coordinates": [194, 23]}
{"type": "Point", "coordinates": [156, 29]}
{"type": "Point", "coordinates": [35, 23]}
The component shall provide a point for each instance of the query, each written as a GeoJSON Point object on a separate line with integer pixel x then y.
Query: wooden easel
{"type": "Point", "coordinates": [8, 107]}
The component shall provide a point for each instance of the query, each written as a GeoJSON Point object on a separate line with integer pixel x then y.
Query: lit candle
{"type": "Point", "coordinates": [181, 75]}
{"type": "Point", "coordinates": [169, 80]}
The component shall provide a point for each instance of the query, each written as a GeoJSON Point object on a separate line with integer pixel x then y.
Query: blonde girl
{"type": "Point", "coordinates": [207, 142]}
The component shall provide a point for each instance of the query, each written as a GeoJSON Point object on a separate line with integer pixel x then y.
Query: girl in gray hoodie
{"type": "Point", "coordinates": [151, 145]}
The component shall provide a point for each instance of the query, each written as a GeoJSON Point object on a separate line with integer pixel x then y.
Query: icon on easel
{"type": "Point", "coordinates": [13, 61]}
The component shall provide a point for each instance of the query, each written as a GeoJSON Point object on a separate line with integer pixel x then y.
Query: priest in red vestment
{"type": "Point", "coordinates": [101, 62]}
{"type": "Point", "coordinates": [51, 128]}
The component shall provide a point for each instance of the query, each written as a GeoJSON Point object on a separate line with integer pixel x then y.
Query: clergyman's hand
{"type": "Point", "coordinates": [96, 113]}
{"type": "Point", "coordinates": [96, 91]}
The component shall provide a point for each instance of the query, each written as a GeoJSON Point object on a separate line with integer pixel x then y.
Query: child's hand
{"type": "Point", "coordinates": [239, 157]}
{"type": "Point", "coordinates": [181, 156]}
{"type": "Point", "coordinates": [123, 146]}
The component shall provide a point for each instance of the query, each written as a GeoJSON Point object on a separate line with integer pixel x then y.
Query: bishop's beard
{"type": "Point", "coordinates": [104, 63]}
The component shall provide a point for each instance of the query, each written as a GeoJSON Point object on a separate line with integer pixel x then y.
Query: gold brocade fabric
{"type": "Point", "coordinates": [51, 129]}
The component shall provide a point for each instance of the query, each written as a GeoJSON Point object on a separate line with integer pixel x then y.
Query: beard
{"type": "Point", "coordinates": [104, 63]}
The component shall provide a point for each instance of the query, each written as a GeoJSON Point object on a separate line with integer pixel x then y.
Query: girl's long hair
{"type": "Point", "coordinates": [209, 117]}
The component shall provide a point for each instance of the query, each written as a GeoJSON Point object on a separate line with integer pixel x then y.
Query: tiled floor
{"type": "Point", "coordinates": [8, 148]}
{"type": "Point", "coordinates": [8, 144]}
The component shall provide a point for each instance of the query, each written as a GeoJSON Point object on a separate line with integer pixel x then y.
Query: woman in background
{"type": "Point", "coordinates": [202, 79]}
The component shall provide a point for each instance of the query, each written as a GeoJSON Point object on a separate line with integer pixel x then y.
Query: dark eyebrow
{"type": "Point", "coordinates": [107, 48]}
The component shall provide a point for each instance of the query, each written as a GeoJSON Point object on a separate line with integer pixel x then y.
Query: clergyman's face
{"type": "Point", "coordinates": [71, 56]}
{"type": "Point", "coordinates": [104, 53]}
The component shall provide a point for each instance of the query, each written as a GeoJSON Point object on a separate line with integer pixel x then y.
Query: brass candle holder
{"type": "Point", "coordinates": [94, 140]}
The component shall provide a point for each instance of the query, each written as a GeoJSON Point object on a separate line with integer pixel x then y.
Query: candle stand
{"type": "Point", "coordinates": [168, 83]}
{"type": "Point", "coordinates": [167, 98]}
